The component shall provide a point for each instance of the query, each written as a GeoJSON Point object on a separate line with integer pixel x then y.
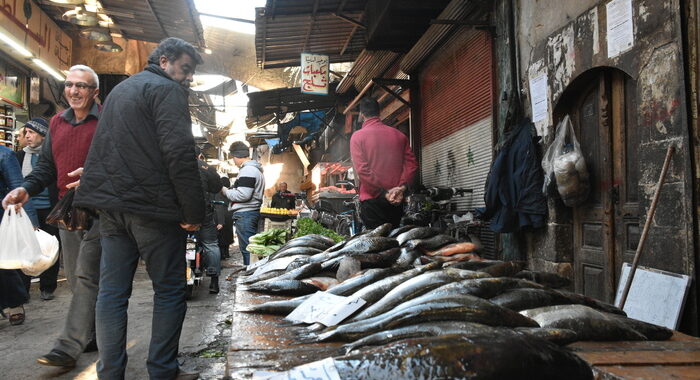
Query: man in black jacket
{"type": "Point", "coordinates": [141, 176]}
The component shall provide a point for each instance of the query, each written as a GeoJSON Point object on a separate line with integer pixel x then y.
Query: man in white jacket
{"type": "Point", "coordinates": [246, 196]}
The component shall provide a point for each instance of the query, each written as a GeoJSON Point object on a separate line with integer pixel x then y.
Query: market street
{"type": "Point", "coordinates": [204, 340]}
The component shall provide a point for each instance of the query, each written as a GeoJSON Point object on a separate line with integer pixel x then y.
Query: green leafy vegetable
{"type": "Point", "coordinates": [307, 226]}
{"type": "Point", "coordinates": [268, 242]}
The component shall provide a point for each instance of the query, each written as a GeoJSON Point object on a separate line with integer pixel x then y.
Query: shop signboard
{"type": "Point", "coordinates": [27, 23]}
{"type": "Point", "coordinates": [314, 73]}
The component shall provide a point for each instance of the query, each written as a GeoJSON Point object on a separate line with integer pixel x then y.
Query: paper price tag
{"type": "Point", "coordinates": [274, 265]}
{"type": "Point", "coordinates": [320, 370]}
{"type": "Point", "coordinates": [327, 309]}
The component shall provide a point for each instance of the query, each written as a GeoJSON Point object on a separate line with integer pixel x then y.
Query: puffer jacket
{"type": "Point", "coordinates": [142, 158]}
{"type": "Point", "coordinates": [246, 194]}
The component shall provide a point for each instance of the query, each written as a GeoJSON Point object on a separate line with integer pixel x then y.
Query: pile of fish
{"type": "Point", "coordinates": [437, 309]}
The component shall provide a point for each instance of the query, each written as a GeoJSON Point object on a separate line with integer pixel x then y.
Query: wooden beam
{"type": "Point", "coordinates": [311, 25]}
{"type": "Point", "coordinates": [228, 18]}
{"type": "Point", "coordinates": [394, 94]}
{"type": "Point", "coordinates": [153, 13]}
{"type": "Point", "coordinates": [358, 97]}
{"type": "Point", "coordinates": [347, 42]}
{"type": "Point", "coordinates": [350, 20]}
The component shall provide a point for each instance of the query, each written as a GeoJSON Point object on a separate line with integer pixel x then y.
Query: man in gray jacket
{"type": "Point", "coordinates": [246, 196]}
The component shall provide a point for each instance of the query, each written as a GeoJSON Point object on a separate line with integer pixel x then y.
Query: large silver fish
{"type": "Point", "coordinates": [415, 287]}
{"type": "Point", "coordinates": [285, 287]}
{"type": "Point", "coordinates": [498, 354]}
{"type": "Point", "coordinates": [591, 324]}
{"type": "Point", "coordinates": [461, 308]}
{"type": "Point", "coordinates": [399, 230]}
{"type": "Point", "coordinates": [431, 243]}
{"type": "Point", "coordinates": [374, 291]}
{"type": "Point", "coordinates": [416, 233]}
{"type": "Point", "coordinates": [523, 299]}
{"type": "Point", "coordinates": [360, 245]}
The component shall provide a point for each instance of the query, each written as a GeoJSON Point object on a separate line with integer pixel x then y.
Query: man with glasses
{"type": "Point", "coordinates": [61, 162]}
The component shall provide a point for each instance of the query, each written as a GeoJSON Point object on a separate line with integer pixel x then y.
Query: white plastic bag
{"type": "Point", "coordinates": [565, 161]}
{"type": "Point", "coordinates": [49, 254]}
{"type": "Point", "coordinates": [19, 246]}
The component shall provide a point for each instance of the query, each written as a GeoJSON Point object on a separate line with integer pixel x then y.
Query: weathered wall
{"type": "Point", "coordinates": [130, 61]}
{"type": "Point", "coordinates": [566, 39]}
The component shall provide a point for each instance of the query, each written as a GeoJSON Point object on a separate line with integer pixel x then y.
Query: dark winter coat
{"type": "Point", "coordinates": [514, 198]}
{"type": "Point", "coordinates": [142, 158]}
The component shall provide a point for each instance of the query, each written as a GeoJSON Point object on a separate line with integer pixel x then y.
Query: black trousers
{"type": "Point", "coordinates": [377, 211]}
{"type": "Point", "coordinates": [48, 279]}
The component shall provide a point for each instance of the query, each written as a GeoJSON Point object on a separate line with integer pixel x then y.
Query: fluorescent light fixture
{"type": "Point", "coordinates": [48, 69]}
{"type": "Point", "coordinates": [20, 49]}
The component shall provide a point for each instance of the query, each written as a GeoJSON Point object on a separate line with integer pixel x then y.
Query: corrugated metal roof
{"type": "Point", "coordinates": [286, 28]}
{"type": "Point", "coordinates": [145, 20]}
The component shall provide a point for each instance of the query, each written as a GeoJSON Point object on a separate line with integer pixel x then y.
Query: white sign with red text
{"type": "Point", "coordinates": [314, 73]}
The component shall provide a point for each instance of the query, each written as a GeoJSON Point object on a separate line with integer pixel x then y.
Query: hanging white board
{"type": "Point", "coordinates": [655, 296]}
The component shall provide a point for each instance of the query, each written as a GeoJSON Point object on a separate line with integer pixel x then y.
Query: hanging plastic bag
{"type": "Point", "coordinates": [564, 160]}
{"type": "Point", "coordinates": [49, 254]}
{"type": "Point", "coordinates": [20, 247]}
{"type": "Point", "coordinates": [67, 217]}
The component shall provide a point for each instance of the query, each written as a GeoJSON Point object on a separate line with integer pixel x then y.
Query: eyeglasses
{"type": "Point", "coordinates": [79, 85]}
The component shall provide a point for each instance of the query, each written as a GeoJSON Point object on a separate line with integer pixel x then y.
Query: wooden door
{"type": "Point", "coordinates": [606, 226]}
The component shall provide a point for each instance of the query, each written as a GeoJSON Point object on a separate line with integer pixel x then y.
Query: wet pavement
{"type": "Point", "coordinates": [203, 343]}
{"type": "Point", "coordinates": [261, 342]}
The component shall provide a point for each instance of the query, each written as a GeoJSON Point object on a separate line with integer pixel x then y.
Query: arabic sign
{"type": "Point", "coordinates": [40, 34]}
{"type": "Point", "coordinates": [314, 73]}
{"type": "Point", "coordinates": [12, 86]}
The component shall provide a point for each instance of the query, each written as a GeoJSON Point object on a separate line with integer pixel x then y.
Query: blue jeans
{"type": "Point", "coordinates": [161, 244]}
{"type": "Point", "coordinates": [246, 223]}
{"type": "Point", "coordinates": [209, 239]}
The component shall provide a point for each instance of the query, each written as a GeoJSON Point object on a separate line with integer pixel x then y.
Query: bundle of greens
{"type": "Point", "coordinates": [268, 242]}
{"type": "Point", "coordinates": [306, 226]}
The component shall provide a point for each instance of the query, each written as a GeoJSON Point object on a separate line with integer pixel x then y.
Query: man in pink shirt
{"type": "Point", "coordinates": [384, 165]}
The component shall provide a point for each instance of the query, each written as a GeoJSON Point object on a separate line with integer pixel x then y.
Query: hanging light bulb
{"type": "Point", "coordinates": [96, 34]}
{"type": "Point", "coordinates": [109, 46]}
{"type": "Point", "coordinates": [78, 16]}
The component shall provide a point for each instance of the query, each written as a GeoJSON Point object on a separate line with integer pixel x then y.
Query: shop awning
{"type": "Point", "coordinates": [286, 28]}
{"type": "Point", "coordinates": [284, 100]}
{"type": "Point", "coordinates": [151, 20]}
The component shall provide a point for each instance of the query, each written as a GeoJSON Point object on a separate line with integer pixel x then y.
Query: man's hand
{"type": "Point", "coordinates": [219, 227]}
{"type": "Point", "coordinates": [395, 195]}
{"type": "Point", "coordinates": [75, 173]}
{"type": "Point", "coordinates": [190, 227]}
{"type": "Point", "coordinates": [17, 197]}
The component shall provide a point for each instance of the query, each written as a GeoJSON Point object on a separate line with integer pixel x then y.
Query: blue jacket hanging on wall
{"type": "Point", "coordinates": [513, 196]}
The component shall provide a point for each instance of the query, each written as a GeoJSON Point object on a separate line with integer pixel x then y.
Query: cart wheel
{"type": "Point", "coordinates": [343, 227]}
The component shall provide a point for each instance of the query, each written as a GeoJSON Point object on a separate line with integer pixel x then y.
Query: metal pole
{"type": "Point", "coordinates": [647, 224]}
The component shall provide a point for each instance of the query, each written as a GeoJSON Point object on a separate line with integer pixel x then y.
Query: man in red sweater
{"type": "Point", "coordinates": [61, 162]}
{"type": "Point", "coordinates": [384, 165]}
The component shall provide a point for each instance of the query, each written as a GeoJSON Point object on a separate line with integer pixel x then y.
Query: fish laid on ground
{"type": "Point", "coordinates": [416, 233]}
{"type": "Point", "coordinates": [478, 287]}
{"type": "Point", "coordinates": [415, 287]}
{"type": "Point", "coordinates": [523, 299]}
{"type": "Point", "coordinates": [471, 265]}
{"type": "Point", "coordinates": [561, 337]}
{"type": "Point", "coordinates": [305, 271]}
{"type": "Point", "coordinates": [432, 243]}
{"type": "Point", "coordinates": [282, 307]}
{"type": "Point", "coordinates": [285, 287]}
{"type": "Point", "coordinates": [407, 257]}
{"type": "Point", "coordinates": [498, 354]}
{"type": "Point", "coordinates": [397, 231]}
{"type": "Point", "coordinates": [323, 283]}
{"type": "Point", "coordinates": [293, 251]}
{"type": "Point", "coordinates": [461, 308]}
{"type": "Point", "coordinates": [261, 277]}
{"type": "Point", "coordinates": [381, 259]}
{"type": "Point", "coordinates": [591, 324]}
{"type": "Point", "coordinates": [363, 279]}
{"type": "Point", "coordinates": [454, 258]}
{"type": "Point", "coordinates": [360, 245]}
{"type": "Point", "coordinates": [504, 269]}
{"type": "Point", "coordinates": [347, 267]}
{"type": "Point", "coordinates": [419, 330]}
{"type": "Point", "coordinates": [453, 249]}
{"type": "Point", "coordinates": [382, 230]}
{"type": "Point", "coordinates": [374, 291]}
{"type": "Point", "coordinates": [550, 280]}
